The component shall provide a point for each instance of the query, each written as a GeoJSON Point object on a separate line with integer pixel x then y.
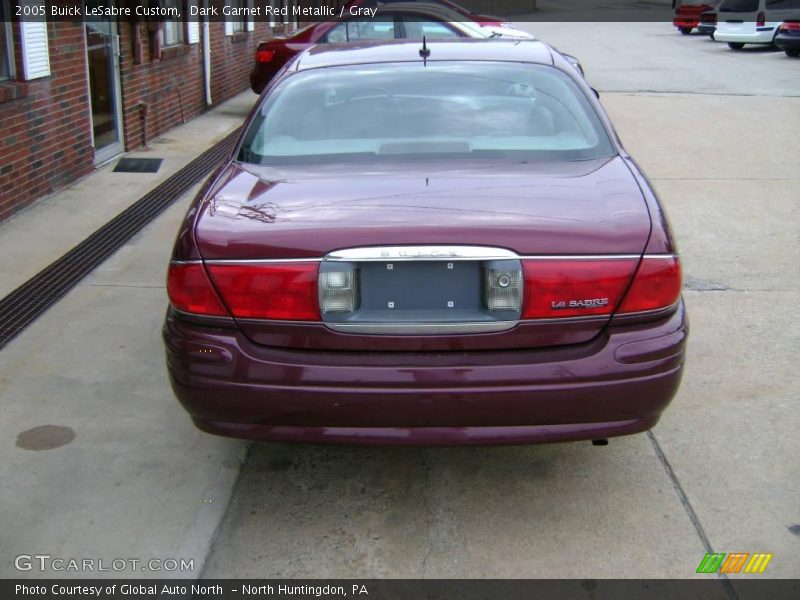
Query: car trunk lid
{"type": "Point", "coordinates": [515, 212]}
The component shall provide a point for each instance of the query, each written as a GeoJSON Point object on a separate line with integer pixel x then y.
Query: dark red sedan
{"type": "Point", "coordinates": [408, 19]}
{"type": "Point", "coordinates": [788, 38]}
{"type": "Point", "coordinates": [440, 245]}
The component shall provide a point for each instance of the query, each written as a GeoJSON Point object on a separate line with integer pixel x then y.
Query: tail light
{"type": "Point", "coordinates": [709, 18]}
{"type": "Point", "coordinates": [790, 26]}
{"type": "Point", "coordinates": [561, 288]}
{"type": "Point", "coordinates": [574, 288]}
{"type": "Point", "coordinates": [190, 290]}
{"type": "Point", "coordinates": [285, 291]}
{"type": "Point", "coordinates": [264, 56]}
{"type": "Point", "coordinates": [270, 291]}
{"type": "Point", "coordinates": [761, 18]}
{"type": "Point", "coordinates": [657, 285]}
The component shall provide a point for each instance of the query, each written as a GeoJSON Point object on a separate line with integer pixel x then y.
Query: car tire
{"type": "Point", "coordinates": [685, 30]}
{"type": "Point", "coordinates": [735, 45]}
{"type": "Point", "coordinates": [793, 53]}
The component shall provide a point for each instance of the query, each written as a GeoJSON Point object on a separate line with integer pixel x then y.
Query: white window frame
{"type": "Point", "coordinates": [178, 26]}
{"type": "Point", "coordinates": [236, 24]}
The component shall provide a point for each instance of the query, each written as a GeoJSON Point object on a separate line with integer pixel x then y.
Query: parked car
{"type": "Point", "coordinates": [426, 244]}
{"type": "Point", "coordinates": [485, 20]}
{"type": "Point", "coordinates": [400, 20]}
{"type": "Point", "coordinates": [687, 14]}
{"type": "Point", "coordinates": [707, 24]}
{"type": "Point", "coordinates": [788, 38]}
{"type": "Point", "coordinates": [743, 22]}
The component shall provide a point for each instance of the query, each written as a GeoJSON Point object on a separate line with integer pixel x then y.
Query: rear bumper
{"type": "Point", "coordinates": [685, 22]}
{"type": "Point", "coordinates": [746, 37]}
{"type": "Point", "coordinates": [787, 42]}
{"type": "Point", "coordinates": [617, 384]}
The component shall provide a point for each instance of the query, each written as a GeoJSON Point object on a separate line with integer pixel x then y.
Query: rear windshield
{"type": "Point", "coordinates": [738, 6]}
{"type": "Point", "coordinates": [444, 110]}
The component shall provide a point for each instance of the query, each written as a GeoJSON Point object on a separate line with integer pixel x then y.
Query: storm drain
{"type": "Point", "coordinates": [24, 305]}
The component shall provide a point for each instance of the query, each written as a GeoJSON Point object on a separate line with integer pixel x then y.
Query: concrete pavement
{"type": "Point", "coordinates": [43, 232]}
{"type": "Point", "coordinates": [139, 481]}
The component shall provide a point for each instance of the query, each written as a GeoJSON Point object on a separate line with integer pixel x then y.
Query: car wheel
{"type": "Point", "coordinates": [793, 53]}
{"type": "Point", "coordinates": [735, 45]}
{"type": "Point", "coordinates": [686, 30]}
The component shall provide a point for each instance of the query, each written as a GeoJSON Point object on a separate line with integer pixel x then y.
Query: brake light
{"type": "Point", "coordinates": [264, 56]}
{"type": "Point", "coordinates": [657, 285]}
{"type": "Point", "coordinates": [190, 290]}
{"type": "Point", "coordinates": [761, 18]}
{"type": "Point", "coordinates": [560, 288]}
{"type": "Point", "coordinates": [790, 26]}
{"type": "Point", "coordinates": [285, 291]}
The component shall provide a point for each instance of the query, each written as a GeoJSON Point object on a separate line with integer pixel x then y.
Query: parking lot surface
{"type": "Point", "coordinates": [718, 133]}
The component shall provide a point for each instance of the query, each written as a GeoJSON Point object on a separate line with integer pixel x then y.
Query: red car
{"type": "Point", "coordinates": [788, 38]}
{"type": "Point", "coordinates": [426, 245]}
{"type": "Point", "coordinates": [687, 15]}
{"type": "Point", "coordinates": [393, 20]}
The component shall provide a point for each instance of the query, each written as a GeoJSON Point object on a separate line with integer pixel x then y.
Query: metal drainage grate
{"type": "Point", "coordinates": [138, 165]}
{"type": "Point", "coordinates": [24, 305]}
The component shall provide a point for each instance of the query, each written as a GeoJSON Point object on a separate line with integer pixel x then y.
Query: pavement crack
{"type": "Point", "coordinates": [429, 517]}
{"type": "Point", "coordinates": [687, 506]}
{"type": "Point", "coordinates": [215, 537]}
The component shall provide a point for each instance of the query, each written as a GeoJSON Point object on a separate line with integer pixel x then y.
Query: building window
{"type": "Point", "coordinates": [6, 55]}
{"type": "Point", "coordinates": [237, 22]}
{"type": "Point", "coordinates": [172, 32]}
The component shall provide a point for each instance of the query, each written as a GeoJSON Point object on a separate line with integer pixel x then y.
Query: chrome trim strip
{"type": "Point", "coordinates": [421, 328]}
{"type": "Point", "coordinates": [594, 256]}
{"type": "Point", "coordinates": [258, 261]}
{"type": "Point", "coordinates": [582, 257]}
{"type": "Point", "coordinates": [574, 319]}
{"type": "Point", "coordinates": [420, 253]}
{"type": "Point", "coordinates": [496, 254]}
{"type": "Point", "coordinates": [657, 312]}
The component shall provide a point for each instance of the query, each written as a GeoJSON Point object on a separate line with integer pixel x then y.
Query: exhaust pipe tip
{"type": "Point", "coordinates": [600, 442]}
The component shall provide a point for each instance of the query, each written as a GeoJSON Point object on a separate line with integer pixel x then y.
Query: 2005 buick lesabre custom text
{"type": "Point", "coordinates": [449, 250]}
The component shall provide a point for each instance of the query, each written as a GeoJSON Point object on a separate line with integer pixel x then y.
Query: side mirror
{"type": "Point", "coordinates": [575, 63]}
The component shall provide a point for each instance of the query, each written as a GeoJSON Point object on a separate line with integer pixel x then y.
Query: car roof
{"type": "Point", "coordinates": [465, 49]}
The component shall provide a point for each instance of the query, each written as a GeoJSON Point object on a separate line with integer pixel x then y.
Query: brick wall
{"type": "Point", "coordinates": [45, 141]}
{"type": "Point", "coordinates": [45, 126]}
{"type": "Point", "coordinates": [232, 59]}
{"type": "Point", "coordinates": [157, 92]}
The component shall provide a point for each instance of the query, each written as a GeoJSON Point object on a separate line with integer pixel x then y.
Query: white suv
{"type": "Point", "coordinates": [741, 22]}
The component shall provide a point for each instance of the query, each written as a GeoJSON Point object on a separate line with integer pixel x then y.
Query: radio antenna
{"type": "Point", "coordinates": [424, 52]}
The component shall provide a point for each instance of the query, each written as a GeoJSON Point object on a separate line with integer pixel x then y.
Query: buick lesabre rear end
{"type": "Point", "coordinates": [451, 248]}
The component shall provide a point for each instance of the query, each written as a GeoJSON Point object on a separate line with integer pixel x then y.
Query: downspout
{"type": "Point", "coordinates": [207, 57]}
